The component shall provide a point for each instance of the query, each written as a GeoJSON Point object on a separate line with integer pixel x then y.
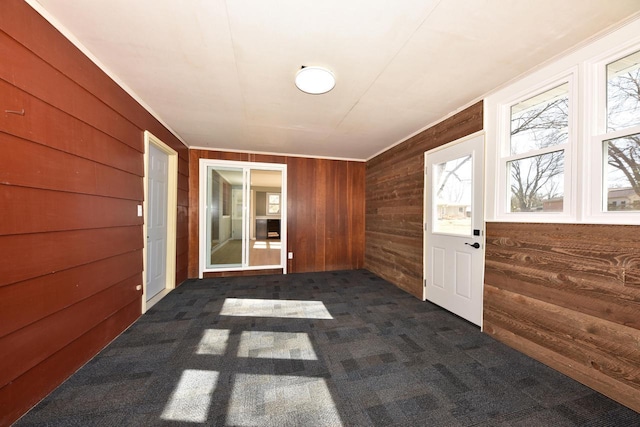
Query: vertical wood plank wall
{"type": "Point", "coordinates": [325, 210]}
{"type": "Point", "coordinates": [71, 177]}
{"type": "Point", "coordinates": [568, 295]}
{"type": "Point", "coordinates": [395, 198]}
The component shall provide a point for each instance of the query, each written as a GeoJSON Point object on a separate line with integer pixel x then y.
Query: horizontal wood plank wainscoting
{"type": "Point", "coordinates": [325, 212]}
{"type": "Point", "coordinates": [395, 201]}
{"type": "Point", "coordinates": [568, 295]}
{"type": "Point", "coordinates": [71, 177]}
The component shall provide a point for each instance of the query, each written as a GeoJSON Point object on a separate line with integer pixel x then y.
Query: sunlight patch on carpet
{"type": "Point", "coordinates": [213, 341]}
{"type": "Point", "coordinates": [191, 398]}
{"type": "Point", "coordinates": [281, 400]}
{"type": "Point", "coordinates": [276, 345]}
{"type": "Point", "coordinates": [249, 307]}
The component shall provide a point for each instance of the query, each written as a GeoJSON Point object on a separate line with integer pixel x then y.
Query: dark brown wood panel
{"type": "Point", "coordinates": [54, 128]}
{"type": "Point", "coordinates": [627, 395]}
{"type": "Point", "coordinates": [47, 336]}
{"type": "Point", "coordinates": [30, 301]}
{"type": "Point", "coordinates": [26, 390]}
{"type": "Point", "coordinates": [194, 207]}
{"type": "Point", "coordinates": [561, 294]}
{"type": "Point", "coordinates": [356, 213]}
{"type": "Point", "coordinates": [26, 26]}
{"type": "Point", "coordinates": [26, 256]}
{"type": "Point", "coordinates": [33, 211]}
{"type": "Point", "coordinates": [325, 208]}
{"type": "Point", "coordinates": [395, 198]}
{"type": "Point", "coordinates": [70, 180]}
{"type": "Point", "coordinates": [25, 72]}
{"type": "Point", "coordinates": [325, 214]}
{"type": "Point", "coordinates": [33, 165]}
{"type": "Point", "coordinates": [302, 224]}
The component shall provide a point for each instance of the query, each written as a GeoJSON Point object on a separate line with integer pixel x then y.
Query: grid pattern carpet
{"type": "Point", "coordinates": [321, 349]}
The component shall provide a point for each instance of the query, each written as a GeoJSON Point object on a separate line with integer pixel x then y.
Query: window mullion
{"type": "Point", "coordinates": [534, 153]}
{"type": "Point", "coordinates": [619, 133]}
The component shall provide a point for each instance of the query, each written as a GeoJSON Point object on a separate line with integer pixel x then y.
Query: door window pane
{"type": "Point", "coordinates": [622, 176]}
{"type": "Point", "coordinates": [452, 194]}
{"type": "Point", "coordinates": [265, 246]}
{"type": "Point", "coordinates": [541, 121]}
{"type": "Point", "coordinates": [224, 217]}
{"type": "Point", "coordinates": [623, 93]}
{"type": "Point", "coordinates": [537, 183]}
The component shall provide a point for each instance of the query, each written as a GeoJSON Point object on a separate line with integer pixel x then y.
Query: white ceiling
{"type": "Point", "coordinates": [220, 73]}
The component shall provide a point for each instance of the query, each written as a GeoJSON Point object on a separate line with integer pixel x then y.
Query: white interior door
{"type": "Point", "coordinates": [454, 227]}
{"type": "Point", "coordinates": [157, 181]}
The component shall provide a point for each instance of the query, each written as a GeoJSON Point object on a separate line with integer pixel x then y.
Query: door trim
{"type": "Point", "coordinates": [425, 219]}
{"type": "Point", "coordinates": [172, 214]}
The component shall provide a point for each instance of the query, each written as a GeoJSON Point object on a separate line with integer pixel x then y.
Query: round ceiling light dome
{"type": "Point", "coordinates": [315, 80]}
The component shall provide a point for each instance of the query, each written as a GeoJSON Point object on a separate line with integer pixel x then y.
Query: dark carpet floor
{"type": "Point", "coordinates": [323, 349]}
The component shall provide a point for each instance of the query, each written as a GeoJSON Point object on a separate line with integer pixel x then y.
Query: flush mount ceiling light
{"type": "Point", "coordinates": [315, 80]}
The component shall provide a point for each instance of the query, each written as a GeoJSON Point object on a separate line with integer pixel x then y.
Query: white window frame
{"type": "Point", "coordinates": [504, 154]}
{"type": "Point", "coordinates": [596, 84]}
{"type": "Point", "coordinates": [587, 64]}
{"type": "Point", "coordinates": [273, 204]}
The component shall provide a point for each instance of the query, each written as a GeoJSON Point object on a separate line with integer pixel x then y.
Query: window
{"type": "Point", "coordinates": [452, 187]}
{"type": "Point", "coordinates": [615, 149]}
{"type": "Point", "coordinates": [273, 204]}
{"type": "Point", "coordinates": [538, 143]}
{"type": "Point", "coordinates": [621, 141]}
{"type": "Point", "coordinates": [563, 142]}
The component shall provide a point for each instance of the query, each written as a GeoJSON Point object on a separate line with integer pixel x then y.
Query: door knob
{"type": "Point", "coordinates": [474, 245]}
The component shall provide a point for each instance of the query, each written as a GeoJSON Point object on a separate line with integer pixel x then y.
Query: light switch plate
{"type": "Point", "coordinates": [290, 255]}
{"type": "Point", "coordinates": [139, 210]}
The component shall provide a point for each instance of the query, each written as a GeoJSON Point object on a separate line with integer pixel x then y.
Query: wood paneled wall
{"type": "Point", "coordinates": [325, 209]}
{"type": "Point", "coordinates": [568, 295]}
{"type": "Point", "coordinates": [71, 177]}
{"type": "Point", "coordinates": [395, 199]}
{"type": "Point", "coordinates": [325, 214]}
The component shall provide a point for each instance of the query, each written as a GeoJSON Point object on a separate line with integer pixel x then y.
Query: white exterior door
{"type": "Point", "coordinates": [157, 181]}
{"type": "Point", "coordinates": [454, 227]}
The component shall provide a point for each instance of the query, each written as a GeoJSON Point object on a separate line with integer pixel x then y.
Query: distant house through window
{"type": "Point", "coordinates": [538, 142]}
{"type": "Point", "coordinates": [563, 142]}
{"type": "Point", "coordinates": [621, 174]}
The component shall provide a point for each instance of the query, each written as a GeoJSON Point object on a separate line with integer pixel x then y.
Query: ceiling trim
{"type": "Point", "coordinates": [69, 36]}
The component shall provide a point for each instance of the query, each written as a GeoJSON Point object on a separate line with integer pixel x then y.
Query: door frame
{"type": "Point", "coordinates": [426, 215]}
{"type": "Point", "coordinates": [172, 214]}
{"type": "Point", "coordinates": [202, 213]}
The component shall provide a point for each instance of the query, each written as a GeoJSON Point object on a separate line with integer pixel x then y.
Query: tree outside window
{"type": "Point", "coordinates": [538, 139]}
{"type": "Point", "coordinates": [622, 154]}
